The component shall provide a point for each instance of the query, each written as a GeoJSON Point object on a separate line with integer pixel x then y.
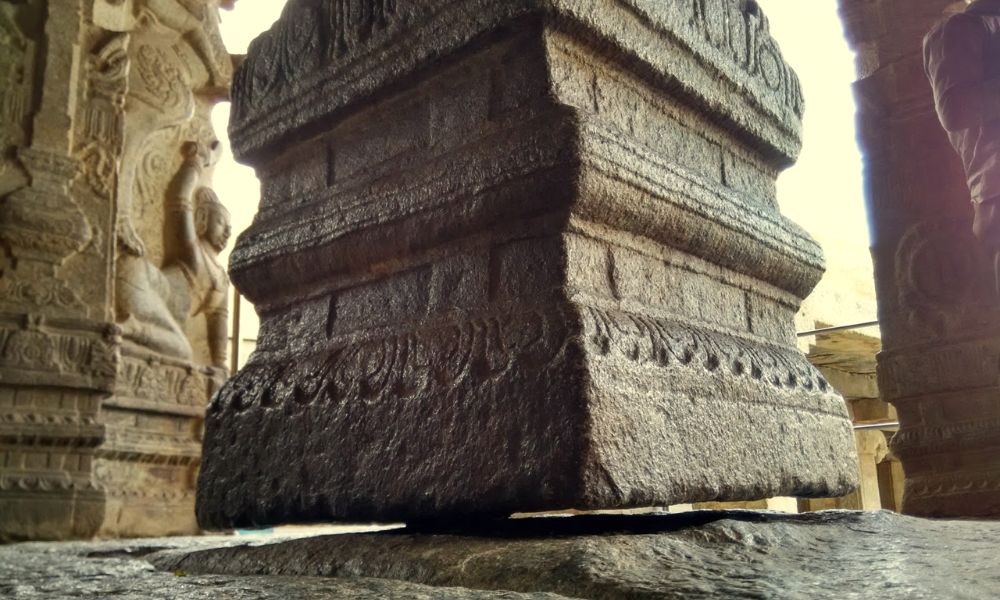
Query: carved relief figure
{"type": "Point", "coordinates": [16, 57]}
{"type": "Point", "coordinates": [177, 69]}
{"type": "Point", "coordinates": [201, 231]}
{"type": "Point", "coordinates": [189, 21]}
{"type": "Point", "coordinates": [163, 89]}
{"type": "Point", "coordinates": [962, 59]}
{"type": "Point", "coordinates": [154, 304]}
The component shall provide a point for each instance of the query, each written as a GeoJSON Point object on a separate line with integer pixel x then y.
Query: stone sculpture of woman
{"type": "Point", "coordinates": [200, 231]}
{"type": "Point", "coordinates": [154, 304]}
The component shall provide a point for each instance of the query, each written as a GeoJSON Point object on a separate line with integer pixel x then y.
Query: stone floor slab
{"type": "Point", "coordinates": [118, 569]}
{"type": "Point", "coordinates": [705, 554]}
{"type": "Point", "coordinates": [699, 555]}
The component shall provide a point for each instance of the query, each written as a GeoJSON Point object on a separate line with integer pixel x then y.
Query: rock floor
{"type": "Point", "coordinates": [120, 570]}
{"type": "Point", "coordinates": [704, 554]}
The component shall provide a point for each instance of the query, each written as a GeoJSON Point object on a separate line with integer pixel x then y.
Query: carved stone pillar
{"type": "Point", "coordinates": [519, 256]}
{"type": "Point", "coordinates": [939, 316]}
{"type": "Point", "coordinates": [98, 434]}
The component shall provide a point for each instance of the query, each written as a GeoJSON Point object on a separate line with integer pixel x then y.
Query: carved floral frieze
{"type": "Point", "coordinates": [36, 350]}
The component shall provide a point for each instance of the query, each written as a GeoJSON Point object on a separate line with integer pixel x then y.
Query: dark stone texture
{"type": "Point", "coordinates": [519, 256]}
{"type": "Point", "coordinates": [319, 63]}
{"type": "Point", "coordinates": [706, 554]}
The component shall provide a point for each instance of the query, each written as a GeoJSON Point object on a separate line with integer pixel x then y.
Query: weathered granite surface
{"type": "Point", "coordinates": [703, 555]}
{"type": "Point", "coordinates": [519, 256]}
{"type": "Point", "coordinates": [118, 569]}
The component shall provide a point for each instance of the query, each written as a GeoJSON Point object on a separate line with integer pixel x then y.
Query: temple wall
{"type": "Point", "coordinates": [102, 394]}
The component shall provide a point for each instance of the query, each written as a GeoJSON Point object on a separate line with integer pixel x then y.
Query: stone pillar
{"type": "Point", "coordinates": [519, 256]}
{"type": "Point", "coordinates": [872, 450]}
{"type": "Point", "coordinates": [99, 429]}
{"type": "Point", "coordinates": [939, 316]}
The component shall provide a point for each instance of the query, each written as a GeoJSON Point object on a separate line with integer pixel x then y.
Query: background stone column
{"type": "Point", "coordinates": [938, 312]}
{"type": "Point", "coordinates": [57, 361]}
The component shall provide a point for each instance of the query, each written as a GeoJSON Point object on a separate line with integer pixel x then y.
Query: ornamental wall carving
{"type": "Point", "coordinates": [109, 279]}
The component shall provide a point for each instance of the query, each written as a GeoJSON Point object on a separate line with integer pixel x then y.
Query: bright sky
{"type": "Point", "coordinates": [237, 185]}
{"type": "Point", "coordinates": [823, 192]}
{"type": "Point", "coordinates": [824, 189]}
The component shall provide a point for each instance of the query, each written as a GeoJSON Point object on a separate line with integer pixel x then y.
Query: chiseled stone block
{"type": "Point", "coordinates": [519, 256]}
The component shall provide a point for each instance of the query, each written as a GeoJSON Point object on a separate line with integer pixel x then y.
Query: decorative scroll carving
{"type": "Point", "coordinates": [36, 350]}
{"type": "Point", "coordinates": [98, 166]}
{"type": "Point", "coordinates": [666, 343]}
{"type": "Point", "coordinates": [102, 134]}
{"type": "Point", "coordinates": [409, 365]}
{"type": "Point", "coordinates": [434, 360]}
{"type": "Point", "coordinates": [167, 384]}
{"type": "Point", "coordinates": [741, 30]}
{"type": "Point", "coordinates": [162, 83]}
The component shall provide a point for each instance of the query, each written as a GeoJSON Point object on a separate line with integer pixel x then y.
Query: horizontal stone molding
{"type": "Point", "coordinates": [914, 441]}
{"type": "Point", "coordinates": [554, 357]}
{"type": "Point", "coordinates": [160, 500]}
{"type": "Point", "coordinates": [147, 447]}
{"type": "Point", "coordinates": [923, 488]}
{"type": "Point", "coordinates": [668, 204]}
{"type": "Point", "coordinates": [163, 406]}
{"type": "Point", "coordinates": [39, 354]}
{"type": "Point", "coordinates": [415, 362]}
{"type": "Point", "coordinates": [154, 383]}
{"type": "Point", "coordinates": [314, 64]}
{"type": "Point", "coordinates": [13, 485]}
{"type": "Point", "coordinates": [910, 372]}
{"type": "Point", "coordinates": [674, 344]}
{"type": "Point", "coordinates": [431, 359]}
{"type": "Point", "coordinates": [50, 429]}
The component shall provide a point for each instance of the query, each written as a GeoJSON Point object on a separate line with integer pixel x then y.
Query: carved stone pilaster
{"type": "Point", "coordinates": [41, 223]}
